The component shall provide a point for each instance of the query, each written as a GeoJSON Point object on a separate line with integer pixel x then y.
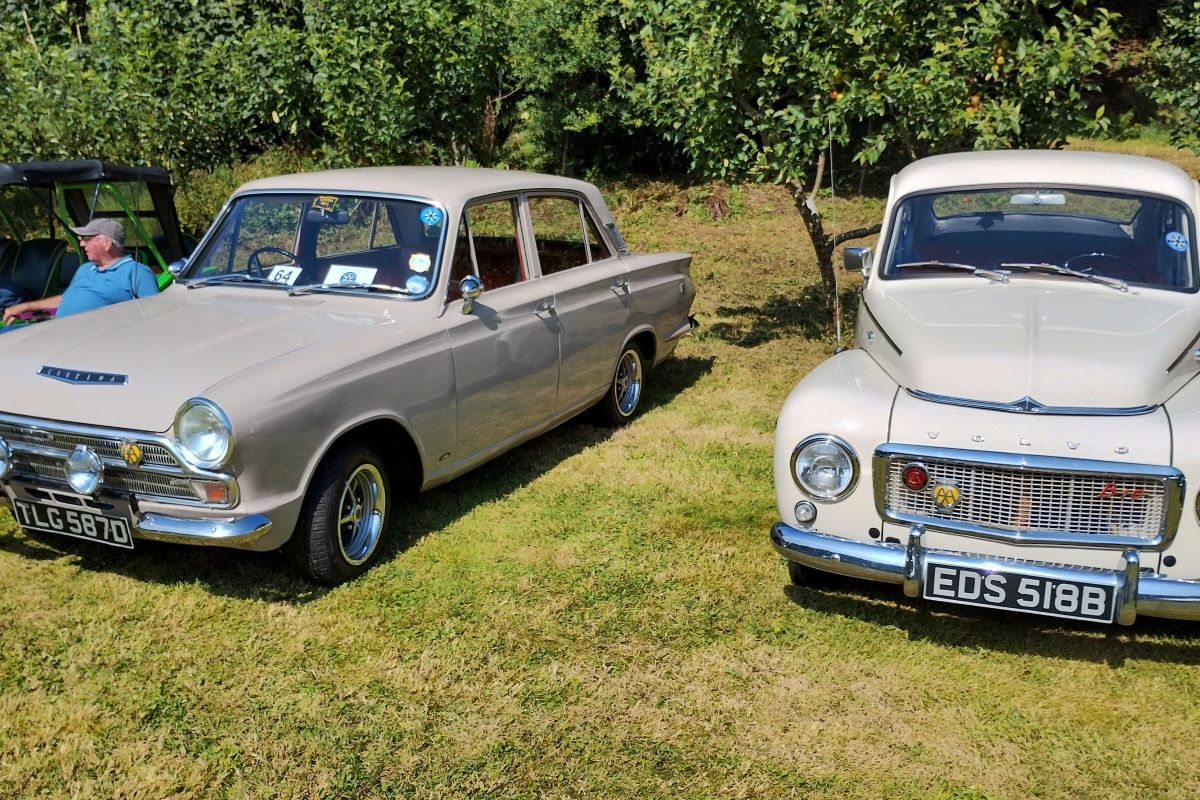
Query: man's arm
{"type": "Point", "coordinates": [45, 304]}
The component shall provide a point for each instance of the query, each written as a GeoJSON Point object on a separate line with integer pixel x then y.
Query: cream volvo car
{"type": "Point", "coordinates": [1018, 420]}
{"type": "Point", "coordinates": [337, 338]}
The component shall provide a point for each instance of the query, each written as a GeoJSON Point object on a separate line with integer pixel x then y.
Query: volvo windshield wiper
{"type": "Point", "coordinates": [990, 274]}
{"type": "Point", "coordinates": [234, 277]}
{"type": "Point", "coordinates": [1059, 269]}
{"type": "Point", "coordinates": [334, 287]}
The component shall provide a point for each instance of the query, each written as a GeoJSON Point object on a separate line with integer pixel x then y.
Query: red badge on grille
{"type": "Point", "coordinates": [915, 477]}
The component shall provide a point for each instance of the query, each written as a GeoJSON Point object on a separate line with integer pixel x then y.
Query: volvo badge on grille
{"type": "Point", "coordinates": [82, 376]}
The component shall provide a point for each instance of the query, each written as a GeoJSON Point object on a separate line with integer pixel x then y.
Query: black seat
{"type": "Point", "coordinates": [35, 264]}
{"type": "Point", "coordinates": [7, 249]}
{"type": "Point", "coordinates": [67, 269]}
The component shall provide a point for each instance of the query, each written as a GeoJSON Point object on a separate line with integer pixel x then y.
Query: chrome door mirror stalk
{"type": "Point", "coordinates": [470, 287]}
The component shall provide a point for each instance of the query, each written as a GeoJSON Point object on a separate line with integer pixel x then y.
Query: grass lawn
{"type": "Point", "coordinates": [595, 614]}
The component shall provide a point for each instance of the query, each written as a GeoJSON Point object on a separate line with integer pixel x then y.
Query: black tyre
{"type": "Point", "coordinates": [344, 516]}
{"type": "Point", "coordinates": [624, 395]}
{"type": "Point", "coordinates": [813, 578]}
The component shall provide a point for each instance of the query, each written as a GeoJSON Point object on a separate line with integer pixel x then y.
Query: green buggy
{"type": "Point", "coordinates": [41, 201]}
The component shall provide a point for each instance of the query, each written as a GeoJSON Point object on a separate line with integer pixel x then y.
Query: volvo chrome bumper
{"type": "Point", "coordinates": [1148, 594]}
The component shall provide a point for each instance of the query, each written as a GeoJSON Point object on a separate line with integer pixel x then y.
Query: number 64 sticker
{"type": "Point", "coordinates": [285, 274]}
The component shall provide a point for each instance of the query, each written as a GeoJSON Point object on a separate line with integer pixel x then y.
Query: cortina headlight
{"type": "Point", "coordinates": [824, 467]}
{"type": "Point", "coordinates": [204, 432]}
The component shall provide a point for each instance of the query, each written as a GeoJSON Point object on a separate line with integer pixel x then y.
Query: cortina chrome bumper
{"type": "Point", "coordinates": [221, 531]}
{"type": "Point", "coordinates": [1149, 594]}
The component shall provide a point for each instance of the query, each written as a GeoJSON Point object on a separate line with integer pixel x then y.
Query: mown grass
{"type": "Point", "coordinates": [596, 614]}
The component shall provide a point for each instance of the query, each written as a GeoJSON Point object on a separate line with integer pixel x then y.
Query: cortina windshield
{"type": "Point", "coordinates": [1119, 239]}
{"type": "Point", "coordinates": [324, 242]}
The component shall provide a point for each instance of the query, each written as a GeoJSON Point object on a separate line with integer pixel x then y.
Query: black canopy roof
{"type": "Point", "coordinates": [47, 173]}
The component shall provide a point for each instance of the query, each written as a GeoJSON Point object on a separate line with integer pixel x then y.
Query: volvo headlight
{"type": "Point", "coordinates": [204, 432]}
{"type": "Point", "coordinates": [85, 470]}
{"type": "Point", "coordinates": [824, 467]}
{"type": "Point", "coordinates": [5, 459]}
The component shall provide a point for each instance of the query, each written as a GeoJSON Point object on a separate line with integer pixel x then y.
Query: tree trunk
{"type": "Point", "coordinates": [824, 247]}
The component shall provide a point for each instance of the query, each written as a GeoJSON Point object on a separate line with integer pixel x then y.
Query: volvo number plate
{"type": "Point", "coordinates": [1018, 591]}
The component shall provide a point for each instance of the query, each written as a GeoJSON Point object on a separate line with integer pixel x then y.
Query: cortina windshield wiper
{"type": "Point", "coordinates": [333, 287]}
{"type": "Point", "coordinates": [1059, 269]}
{"type": "Point", "coordinates": [234, 277]}
{"type": "Point", "coordinates": [990, 274]}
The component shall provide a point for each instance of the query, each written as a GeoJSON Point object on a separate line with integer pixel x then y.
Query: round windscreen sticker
{"type": "Point", "coordinates": [419, 262]}
{"type": "Point", "coordinates": [416, 284]}
{"type": "Point", "coordinates": [431, 216]}
{"type": "Point", "coordinates": [1177, 242]}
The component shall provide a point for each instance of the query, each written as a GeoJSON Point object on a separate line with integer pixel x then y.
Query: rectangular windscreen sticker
{"type": "Point", "coordinates": [325, 202]}
{"type": "Point", "coordinates": [286, 274]}
{"type": "Point", "coordinates": [339, 274]}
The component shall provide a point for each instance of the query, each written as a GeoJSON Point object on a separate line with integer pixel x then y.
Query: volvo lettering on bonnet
{"type": "Point", "coordinates": [82, 376]}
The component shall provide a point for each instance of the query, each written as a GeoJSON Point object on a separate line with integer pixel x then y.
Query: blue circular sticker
{"type": "Point", "coordinates": [416, 284]}
{"type": "Point", "coordinates": [348, 277]}
{"type": "Point", "coordinates": [431, 216]}
{"type": "Point", "coordinates": [1177, 242]}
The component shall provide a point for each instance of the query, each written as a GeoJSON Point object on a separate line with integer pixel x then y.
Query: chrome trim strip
{"type": "Point", "coordinates": [882, 332]}
{"type": "Point", "coordinates": [1145, 594]}
{"type": "Point", "coordinates": [1173, 481]}
{"type": "Point", "coordinates": [683, 330]}
{"type": "Point", "coordinates": [1027, 405]}
{"type": "Point", "coordinates": [1187, 350]}
{"type": "Point", "coordinates": [221, 532]}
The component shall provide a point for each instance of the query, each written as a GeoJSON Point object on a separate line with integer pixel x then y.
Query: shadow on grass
{"type": "Point", "coordinates": [1162, 640]}
{"type": "Point", "coordinates": [270, 577]}
{"type": "Point", "coordinates": [752, 325]}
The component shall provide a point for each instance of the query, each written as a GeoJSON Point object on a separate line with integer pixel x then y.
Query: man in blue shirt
{"type": "Point", "coordinates": [108, 277]}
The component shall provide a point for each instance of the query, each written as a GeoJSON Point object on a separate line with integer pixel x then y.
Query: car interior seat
{"type": "Point", "coordinates": [35, 264]}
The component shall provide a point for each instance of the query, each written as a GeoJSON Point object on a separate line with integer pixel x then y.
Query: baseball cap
{"type": "Point", "coordinates": [103, 226]}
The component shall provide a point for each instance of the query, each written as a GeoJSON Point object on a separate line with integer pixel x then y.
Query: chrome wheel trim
{"type": "Point", "coordinates": [627, 384]}
{"type": "Point", "coordinates": [360, 513]}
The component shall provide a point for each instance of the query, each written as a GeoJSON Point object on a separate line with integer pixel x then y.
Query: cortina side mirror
{"type": "Point", "coordinates": [176, 267]}
{"type": "Point", "coordinates": [470, 287]}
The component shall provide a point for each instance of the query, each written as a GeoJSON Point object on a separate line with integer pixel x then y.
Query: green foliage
{"type": "Point", "coordinates": [406, 79]}
{"type": "Point", "coordinates": [178, 84]}
{"type": "Point", "coordinates": [1175, 64]}
{"type": "Point", "coordinates": [559, 52]}
{"type": "Point", "coordinates": [738, 90]}
{"type": "Point", "coordinates": [758, 90]}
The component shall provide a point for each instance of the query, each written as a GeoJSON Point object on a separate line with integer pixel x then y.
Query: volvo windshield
{"type": "Point", "coordinates": [1107, 237]}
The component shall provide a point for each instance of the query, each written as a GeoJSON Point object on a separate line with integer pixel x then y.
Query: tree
{"type": "Point", "coordinates": [759, 90]}
{"type": "Point", "coordinates": [1175, 60]}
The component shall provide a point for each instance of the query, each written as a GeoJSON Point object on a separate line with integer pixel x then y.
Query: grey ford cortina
{"type": "Point", "coordinates": [337, 338]}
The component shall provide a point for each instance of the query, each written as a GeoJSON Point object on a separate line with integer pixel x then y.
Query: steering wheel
{"type": "Point", "coordinates": [1128, 265]}
{"type": "Point", "coordinates": [255, 268]}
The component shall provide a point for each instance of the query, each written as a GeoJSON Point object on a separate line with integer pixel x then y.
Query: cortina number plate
{"type": "Point", "coordinates": [1016, 591]}
{"type": "Point", "coordinates": [78, 522]}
